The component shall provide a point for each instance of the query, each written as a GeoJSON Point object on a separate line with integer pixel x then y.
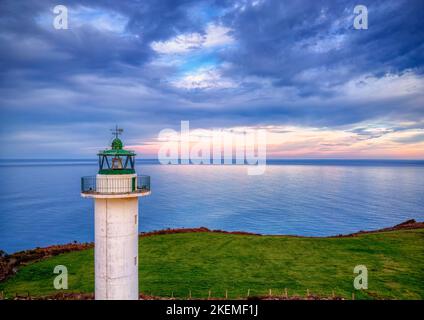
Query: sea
{"type": "Point", "coordinates": [40, 202]}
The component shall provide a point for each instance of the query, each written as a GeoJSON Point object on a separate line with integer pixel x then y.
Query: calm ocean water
{"type": "Point", "coordinates": [40, 203]}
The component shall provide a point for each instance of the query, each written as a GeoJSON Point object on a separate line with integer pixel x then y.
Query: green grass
{"type": "Point", "coordinates": [199, 262]}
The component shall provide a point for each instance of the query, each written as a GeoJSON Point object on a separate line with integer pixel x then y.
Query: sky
{"type": "Point", "coordinates": [297, 69]}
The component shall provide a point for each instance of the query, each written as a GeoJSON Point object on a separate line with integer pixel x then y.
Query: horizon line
{"type": "Point", "coordinates": [211, 159]}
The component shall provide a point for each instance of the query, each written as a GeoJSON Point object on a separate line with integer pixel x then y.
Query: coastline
{"type": "Point", "coordinates": [9, 263]}
{"type": "Point", "coordinates": [408, 224]}
{"type": "Point", "coordinates": [273, 267]}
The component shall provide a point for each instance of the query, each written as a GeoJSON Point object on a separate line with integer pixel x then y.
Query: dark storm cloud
{"type": "Point", "coordinates": [27, 44]}
{"type": "Point", "coordinates": [282, 39]}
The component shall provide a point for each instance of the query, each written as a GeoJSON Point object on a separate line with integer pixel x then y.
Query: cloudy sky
{"type": "Point", "coordinates": [298, 69]}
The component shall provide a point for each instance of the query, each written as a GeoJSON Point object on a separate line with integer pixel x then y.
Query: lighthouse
{"type": "Point", "coordinates": [115, 190]}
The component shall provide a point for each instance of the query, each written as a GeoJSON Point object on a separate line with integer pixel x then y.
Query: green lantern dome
{"type": "Point", "coordinates": [116, 160]}
{"type": "Point", "coordinates": [117, 144]}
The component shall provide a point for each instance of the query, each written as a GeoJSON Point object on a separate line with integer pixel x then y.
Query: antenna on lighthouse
{"type": "Point", "coordinates": [117, 131]}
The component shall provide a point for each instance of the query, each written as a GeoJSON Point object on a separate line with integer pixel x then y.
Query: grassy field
{"type": "Point", "coordinates": [199, 262]}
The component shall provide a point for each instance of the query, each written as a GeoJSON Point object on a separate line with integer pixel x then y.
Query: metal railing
{"type": "Point", "coordinates": [115, 184]}
{"type": "Point", "coordinates": [143, 182]}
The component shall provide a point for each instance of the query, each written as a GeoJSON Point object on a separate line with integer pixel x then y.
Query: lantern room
{"type": "Point", "coordinates": [116, 160]}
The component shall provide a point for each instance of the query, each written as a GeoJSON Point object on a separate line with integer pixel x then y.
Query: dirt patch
{"type": "Point", "coordinates": [409, 224]}
{"type": "Point", "coordinates": [90, 296]}
{"type": "Point", "coordinates": [193, 230]}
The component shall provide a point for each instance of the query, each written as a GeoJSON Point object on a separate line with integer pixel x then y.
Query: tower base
{"type": "Point", "coordinates": [116, 248]}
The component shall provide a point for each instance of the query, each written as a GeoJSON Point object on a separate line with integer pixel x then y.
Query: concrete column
{"type": "Point", "coordinates": [116, 248]}
{"type": "Point", "coordinates": [120, 183]}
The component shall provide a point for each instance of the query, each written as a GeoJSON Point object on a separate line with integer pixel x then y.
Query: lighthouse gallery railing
{"type": "Point", "coordinates": [116, 184]}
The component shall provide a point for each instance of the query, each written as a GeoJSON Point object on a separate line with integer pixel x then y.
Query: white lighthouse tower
{"type": "Point", "coordinates": [115, 190]}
